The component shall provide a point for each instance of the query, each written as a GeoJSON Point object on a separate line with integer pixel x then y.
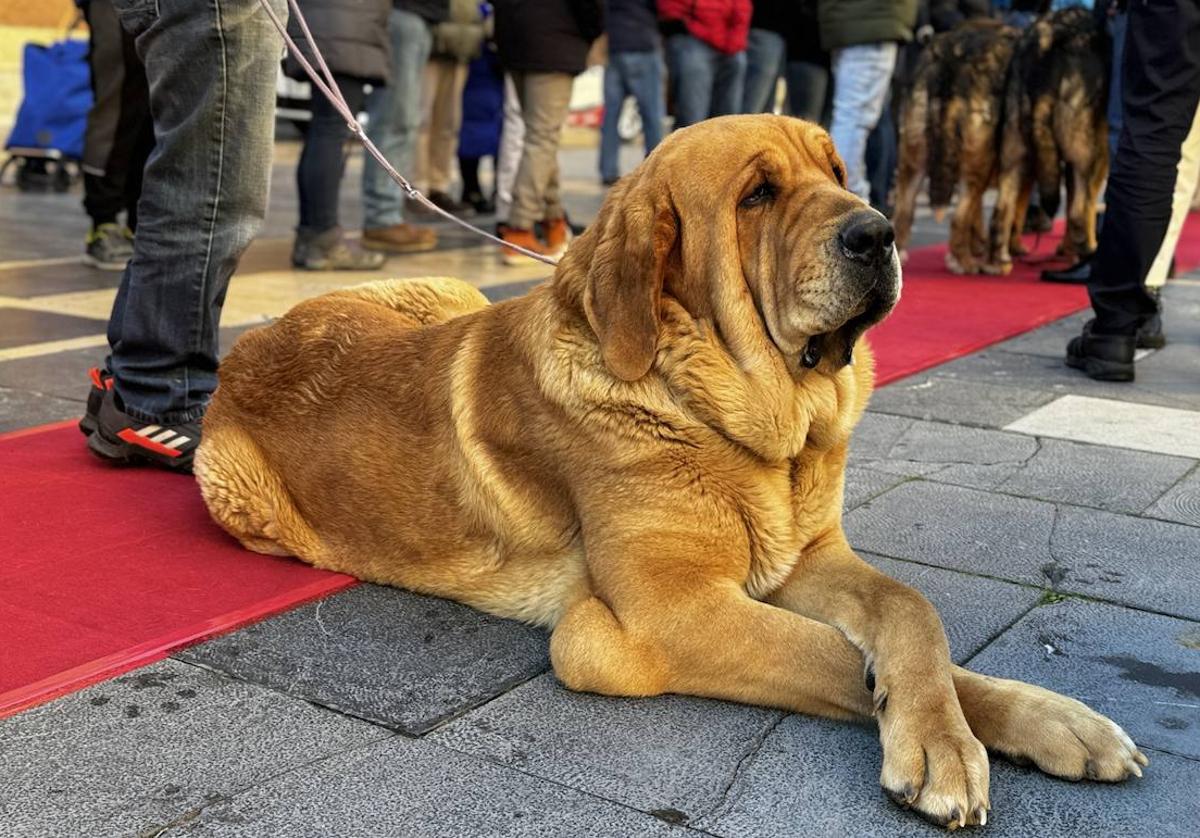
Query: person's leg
{"type": "Point", "coordinates": [861, 77]}
{"type": "Point", "coordinates": [420, 158]}
{"type": "Point", "coordinates": [323, 158]}
{"type": "Point", "coordinates": [807, 84]}
{"type": "Point", "coordinates": [643, 75]}
{"type": "Point", "coordinates": [212, 68]}
{"type": "Point", "coordinates": [103, 177]}
{"type": "Point", "coordinates": [728, 85]}
{"type": "Point", "coordinates": [544, 100]}
{"type": "Point", "coordinates": [1116, 28]}
{"type": "Point", "coordinates": [395, 118]}
{"type": "Point", "coordinates": [765, 54]}
{"type": "Point", "coordinates": [693, 72]}
{"type": "Point", "coordinates": [881, 157]}
{"type": "Point", "coordinates": [1161, 93]}
{"type": "Point", "coordinates": [614, 99]}
{"type": "Point", "coordinates": [1185, 189]}
{"type": "Point", "coordinates": [447, 120]}
{"type": "Point", "coordinates": [512, 140]}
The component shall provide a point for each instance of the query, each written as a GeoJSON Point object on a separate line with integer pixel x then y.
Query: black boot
{"type": "Point", "coordinates": [1102, 357]}
{"type": "Point", "coordinates": [1151, 336]}
{"type": "Point", "coordinates": [1077, 274]}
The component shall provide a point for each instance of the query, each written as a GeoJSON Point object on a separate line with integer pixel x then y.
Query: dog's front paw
{"type": "Point", "coordinates": [1065, 737]}
{"type": "Point", "coordinates": [932, 763]}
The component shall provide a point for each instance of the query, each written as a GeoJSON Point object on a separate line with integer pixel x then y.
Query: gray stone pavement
{"type": "Point", "coordinates": [379, 712]}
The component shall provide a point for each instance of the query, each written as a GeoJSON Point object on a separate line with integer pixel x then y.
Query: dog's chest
{"type": "Point", "coordinates": [784, 510]}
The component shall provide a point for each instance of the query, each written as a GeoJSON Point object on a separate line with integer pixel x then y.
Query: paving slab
{"type": "Point", "coordinates": [1141, 427]}
{"type": "Point", "coordinates": [64, 374]}
{"type": "Point", "coordinates": [1157, 383]}
{"type": "Point", "coordinates": [389, 656]}
{"type": "Point", "coordinates": [672, 754]}
{"type": "Point", "coordinates": [19, 326]}
{"type": "Point", "coordinates": [950, 453]}
{"type": "Point", "coordinates": [1181, 503]}
{"type": "Point", "coordinates": [949, 398]}
{"type": "Point", "coordinates": [814, 777]}
{"type": "Point", "coordinates": [21, 409]}
{"type": "Point", "coordinates": [863, 484]}
{"type": "Point", "coordinates": [55, 278]}
{"type": "Point", "coordinates": [1135, 561]}
{"type": "Point", "coordinates": [416, 789]}
{"type": "Point", "coordinates": [1142, 670]}
{"type": "Point", "coordinates": [875, 434]}
{"type": "Point", "coordinates": [957, 598]}
{"type": "Point", "coordinates": [1115, 479]}
{"type": "Point", "coordinates": [129, 755]}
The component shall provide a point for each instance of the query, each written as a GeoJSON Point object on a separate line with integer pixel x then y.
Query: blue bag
{"type": "Point", "coordinates": [58, 96]}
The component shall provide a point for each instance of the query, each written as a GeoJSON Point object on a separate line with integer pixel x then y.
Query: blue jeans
{"type": "Point", "coordinates": [211, 66]}
{"type": "Point", "coordinates": [766, 54]}
{"type": "Point", "coordinates": [636, 74]}
{"type": "Point", "coordinates": [323, 160]}
{"type": "Point", "coordinates": [807, 84]}
{"type": "Point", "coordinates": [394, 112]}
{"type": "Point", "coordinates": [862, 75]}
{"type": "Point", "coordinates": [706, 82]}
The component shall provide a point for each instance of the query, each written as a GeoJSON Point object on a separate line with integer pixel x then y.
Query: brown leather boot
{"type": "Point", "coordinates": [521, 238]}
{"type": "Point", "coordinates": [400, 238]}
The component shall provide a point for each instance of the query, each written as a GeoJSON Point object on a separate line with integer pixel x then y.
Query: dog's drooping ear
{"type": "Point", "coordinates": [637, 230]}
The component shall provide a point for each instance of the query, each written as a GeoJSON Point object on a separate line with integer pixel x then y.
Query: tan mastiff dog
{"type": "Point", "coordinates": [645, 455]}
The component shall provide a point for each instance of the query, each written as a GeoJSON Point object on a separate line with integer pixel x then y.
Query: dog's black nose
{"type": "Point", "coordinates": [867, 237]}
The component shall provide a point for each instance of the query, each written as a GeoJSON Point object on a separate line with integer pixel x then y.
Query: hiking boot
{"type": "Point", "coordinates": [558, 236]}
{"type": "Point", "coordinates": [1102, 357]}
{"type": "Point", "coordinates": [521, 238]}
{"type": "Point", "coordinates": [328, 251]}
{"type": "Point", "coordinates": [109, 247]}
{"type": "Point", "coordinates": [1151, 336]}
{"type": "Point", "coordinates": [400, 238]}
{"type": "Point", "coordinates": [123, 440]}
{"type": "Point", "coordinates": [102, 382]}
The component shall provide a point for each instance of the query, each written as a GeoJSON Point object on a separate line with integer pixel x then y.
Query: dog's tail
{"type": "Point", "coordinates": [944, 146]}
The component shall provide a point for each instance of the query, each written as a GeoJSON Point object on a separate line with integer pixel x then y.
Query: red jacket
{"type": "Point", "coordinates": [722, 24]}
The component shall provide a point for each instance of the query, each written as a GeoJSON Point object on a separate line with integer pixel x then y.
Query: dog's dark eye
{"type": "Point", "coordinates": [761, 194]}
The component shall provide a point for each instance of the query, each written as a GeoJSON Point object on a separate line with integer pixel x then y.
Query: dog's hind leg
{"type": "Point", "coordinates": [245, 495]}
{"type": "Point", "coordinates": [913, 162]}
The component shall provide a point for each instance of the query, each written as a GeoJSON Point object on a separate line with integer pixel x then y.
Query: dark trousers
{"type": "Point", "coordinates": [323, 160]}
{"type": "Point", "coordinates": [1161, 91]}
{"type": "Point", "coordinates": [119, 133]}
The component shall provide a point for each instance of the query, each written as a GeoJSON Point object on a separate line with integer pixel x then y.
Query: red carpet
{"type": "Point", "coordinates": [103, 570]}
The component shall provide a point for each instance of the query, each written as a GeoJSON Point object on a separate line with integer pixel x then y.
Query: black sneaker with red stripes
{"type": "Point", "coordinates": [102, 382]}
{"type": "Point", "coordinates": [119, 438]}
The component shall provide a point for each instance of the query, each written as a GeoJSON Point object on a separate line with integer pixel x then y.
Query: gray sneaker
{"type": "Point", "coordinates": [109, 247]}
{"type": "Point", "coordinates": [328, 251]}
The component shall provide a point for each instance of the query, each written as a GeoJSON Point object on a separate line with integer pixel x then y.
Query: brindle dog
{"type": "Point", "coordinates": [1054, 126]}
{"type": "Point", "coordinates": [950, 125]}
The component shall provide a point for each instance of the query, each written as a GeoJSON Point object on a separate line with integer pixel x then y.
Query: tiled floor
{"type": "Point", "coordinates": [1055, 552]}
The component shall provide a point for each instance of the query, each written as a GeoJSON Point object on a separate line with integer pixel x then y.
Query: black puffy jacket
{"type": "Point", "coordinates": [351, 34]}
{"type": "Point", "coordinates": [547, 36]}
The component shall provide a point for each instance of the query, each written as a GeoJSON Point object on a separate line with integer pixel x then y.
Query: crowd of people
{"type": "Point", "coordinates": [180, 139]}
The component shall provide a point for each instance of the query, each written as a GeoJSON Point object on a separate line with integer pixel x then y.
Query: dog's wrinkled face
{"type": "Point", "coordinates": [736, 206]}
{"type": "Point", "coordinates": [820, 264]}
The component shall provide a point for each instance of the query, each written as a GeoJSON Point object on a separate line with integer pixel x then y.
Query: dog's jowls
{"type": "Point", "coordinates": [644, 455]}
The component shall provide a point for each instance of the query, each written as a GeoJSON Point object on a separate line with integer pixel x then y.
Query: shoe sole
{"type": "Point", "coordinates": [105, 266]}
{"type": "Point", "coordinates": [422, 247]}
{"type": "Point", "coordinates": [1156, 342]}
{"type": "Point", "coordinates": [122, 454]}
{"type": "Point", "coordinates": [1100, 370]}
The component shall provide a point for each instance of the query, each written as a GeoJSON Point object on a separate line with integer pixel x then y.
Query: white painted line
{"type": "Point", "coordinates": [1141, 427]}
{"type": "Point", "coordinates": [41, 263]}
